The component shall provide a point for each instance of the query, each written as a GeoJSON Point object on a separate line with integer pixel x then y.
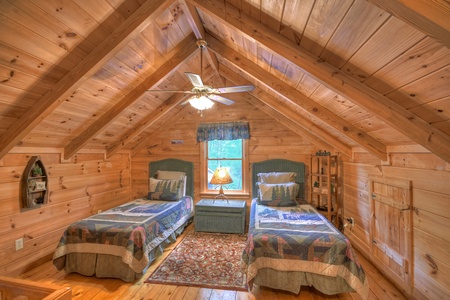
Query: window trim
{"type": "Point", "coordinates": [204, 192]}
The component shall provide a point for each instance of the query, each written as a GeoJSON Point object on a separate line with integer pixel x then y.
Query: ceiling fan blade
{"type": "Point", "coordinates": [195, 79]}
{"type": "Point", "coordinates": [172, 91]}
{"type": "Point", "coordinates": [236, 89]}
{"type": "Point", "coordinates": [220, 99]}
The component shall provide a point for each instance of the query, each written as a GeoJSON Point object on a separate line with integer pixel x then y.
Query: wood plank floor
{"type": "Point", "coordinates": [93, 288]}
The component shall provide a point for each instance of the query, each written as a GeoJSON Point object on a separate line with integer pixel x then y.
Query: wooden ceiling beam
{"type": "Point", "coordinates": [382, 107]}
{"type": "Point", "coordinates": [429, 17]}
{"type": "Point", "coordinates": [166, 125]}
{"type": "Point", "coordinates": [193, 19]}
{"type": "Point", "coordinates": [278, 86]}
{"type": "Point", "coordinates": [124, 33]}
{"type": "Point", "coordinates": [197, 27]}
{"type": "Point", "coordinates": [153, 117]}
{"type": "Point", "coordinates": [291, 124]}
{"type": "Point", "coordinates": [182, 52]}
{"type": "Point", "coordinates": [286, 116]}
{"type": "Point", "coordinates": [279, 115]}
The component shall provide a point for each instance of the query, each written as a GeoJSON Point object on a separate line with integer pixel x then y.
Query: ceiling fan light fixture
{"type": "Point", "coordinates": [201, 103]}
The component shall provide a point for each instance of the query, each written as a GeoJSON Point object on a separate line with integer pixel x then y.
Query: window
{"type": "Point", "coordinates": [230, 154]}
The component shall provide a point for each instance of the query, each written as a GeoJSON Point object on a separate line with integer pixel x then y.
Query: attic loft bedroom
{"type": "Point", "coordinates": [328, 116]}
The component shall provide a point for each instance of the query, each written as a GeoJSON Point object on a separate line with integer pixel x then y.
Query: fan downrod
{"type": "Point", "coordinates": [202, 44]}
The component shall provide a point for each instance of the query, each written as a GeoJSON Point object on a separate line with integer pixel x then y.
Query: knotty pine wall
{"type": "Point", "coordinates": [88, 183]}
{"type": "Point", "coordinates": [430, 178]}
{"type": "Point", "coordinates": [269, 140]}
{"type": "Point", "coordinates": [78, 188]}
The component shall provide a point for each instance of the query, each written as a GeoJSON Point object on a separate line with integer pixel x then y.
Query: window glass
{"type": "Point", "coordinates": [226, 154]}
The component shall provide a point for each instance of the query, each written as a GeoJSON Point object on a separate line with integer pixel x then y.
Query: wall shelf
{"type": "Point", "coordinates": [34, 184]}
{"type": "Point", "coordinates": [324, 184]}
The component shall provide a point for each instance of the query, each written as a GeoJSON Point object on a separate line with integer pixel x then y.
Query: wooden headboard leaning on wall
{"type": "Point", "coordinates": [172, 164]}
{"type": "Point", "coordinates": [279, 165]}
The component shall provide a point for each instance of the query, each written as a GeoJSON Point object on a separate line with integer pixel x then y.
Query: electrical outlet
{"type": "Point", "coordinates": [19, 244]}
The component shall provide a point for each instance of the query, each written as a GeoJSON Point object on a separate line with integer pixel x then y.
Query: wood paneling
{"type": "Point", "coordinates": [76, 189]}
{"type": "Point", "coordinates": [268, 140]}
{"type": "Point", "coordinates": [380, 66]}
{"type": "Point", "coordinates": [429, 178]}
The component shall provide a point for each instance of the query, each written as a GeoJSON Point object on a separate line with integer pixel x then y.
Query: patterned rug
{"type": "Point", "coordinates": [209, 260]}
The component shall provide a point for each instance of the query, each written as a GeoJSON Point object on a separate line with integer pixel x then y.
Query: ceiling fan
{"type": "Point", "coordinates": [203, 94]}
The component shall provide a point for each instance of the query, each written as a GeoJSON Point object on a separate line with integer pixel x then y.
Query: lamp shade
{"type": "Point", "coordinates": [221, 176]}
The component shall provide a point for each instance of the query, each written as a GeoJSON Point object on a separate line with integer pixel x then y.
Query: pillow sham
{"type": "Point", "coordinates": [166, 189]}
{"type": "Point", "coordinates": [278, 194]}
{"type": "Point", "coordinates": [169, 174]}
{"type": "Point", "coordinates": [160, 174]}
{"type": "Point", "coordinates": [277, 177]}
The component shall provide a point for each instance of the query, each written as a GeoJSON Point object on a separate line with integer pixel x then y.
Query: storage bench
{"type": "Point", "coordinates": [220, 216]}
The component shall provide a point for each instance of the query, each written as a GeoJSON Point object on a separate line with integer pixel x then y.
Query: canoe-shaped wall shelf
{"type": "Point", "coordinates": [34, 184]}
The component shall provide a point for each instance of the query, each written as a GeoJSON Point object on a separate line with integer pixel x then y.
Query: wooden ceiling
{"type": "Point", "coordinates": [74, 74]}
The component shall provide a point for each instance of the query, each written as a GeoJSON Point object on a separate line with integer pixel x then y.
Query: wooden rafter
{"type": "Point", "coordinates": [289, 118]}
{"type": "Point", "coordinates": [153, 117]}
{"type": "Point", "coordinates": [169, 123]}
{"type": "Point", "coordinates": [199, 32]}
{"type": "Point", "coordinates": [430, 17]}
{"type": "Point", "coordinates": [291, 94]}
{"type": "Point", "coordinates": [164, 108]}
{"type": "Point", "coordinates": [187, 48]}
{"type": "Point", "coordinates": [279, 116]}
{"type": "Point", "coordinates": [382, 107]}
{"type": "Point", "coordinates": [124, 33]}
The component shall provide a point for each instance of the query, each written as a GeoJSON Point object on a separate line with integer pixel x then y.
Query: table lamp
{"type": "Point", "coordinates": [221, 177]}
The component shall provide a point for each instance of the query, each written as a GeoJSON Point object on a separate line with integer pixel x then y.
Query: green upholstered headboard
{"type": "Point", "coordinates": [172, 164]}
{"type": "Point", "coordinates": [279, 165]}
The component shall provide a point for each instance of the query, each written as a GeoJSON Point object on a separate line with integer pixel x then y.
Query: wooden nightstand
{"type": "Point", "coordinates": [220, 216]}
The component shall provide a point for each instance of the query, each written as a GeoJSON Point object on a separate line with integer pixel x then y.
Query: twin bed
{"type": "Point", "coordinates": [123, 241]}
{"type": "Point", "coordinates": [289, 243]}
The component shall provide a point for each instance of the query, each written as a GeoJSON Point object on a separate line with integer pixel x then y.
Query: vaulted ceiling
{"type": "Point", "coordinates": [370, 74]}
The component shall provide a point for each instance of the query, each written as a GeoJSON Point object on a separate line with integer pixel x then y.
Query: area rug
{"type": "Point", "coordinates": [209, 260]}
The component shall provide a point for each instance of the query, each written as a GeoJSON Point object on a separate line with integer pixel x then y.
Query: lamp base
{"type": "Point", "coordinates": [221, 195]}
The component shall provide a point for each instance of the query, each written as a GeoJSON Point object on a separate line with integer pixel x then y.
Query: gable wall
{"type": "Point", "coordinates": [268, 140]}
{"type": "Point", "coordinates": [430, 178]}
{"type": "Point", "coordinates": [78, 188]}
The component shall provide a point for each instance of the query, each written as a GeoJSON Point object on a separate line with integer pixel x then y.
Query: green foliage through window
{"type": "Point", "coordinates": [227, 153]}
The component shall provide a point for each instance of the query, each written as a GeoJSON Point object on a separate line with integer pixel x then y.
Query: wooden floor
{"type": "Point", "coordinates": [93, 288]}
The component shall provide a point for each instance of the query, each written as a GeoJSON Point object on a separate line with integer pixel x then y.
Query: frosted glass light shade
{"type": "Point", "coordinates": [201, 103]}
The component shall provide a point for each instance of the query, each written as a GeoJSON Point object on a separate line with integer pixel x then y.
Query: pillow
{"type": "Point", "coordinates": [279, 194]}
{"type": "Point", "coordinates": [172, 175]}
{"type": "Point", "coordinates": [277, 177]}
{"type": "Point", "coordinates": [166, 189]}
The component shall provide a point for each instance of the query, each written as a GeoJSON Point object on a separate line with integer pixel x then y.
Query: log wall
{"type": "Point", "coordinates": [77, 188]}
{"type": "Point", "coordinates": [430, 178]}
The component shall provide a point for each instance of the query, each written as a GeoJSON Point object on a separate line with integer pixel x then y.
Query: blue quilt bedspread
{"type": "Point", "coordinates": [130, 231]}
{"type": "Point", "coordinates": [299, 238]}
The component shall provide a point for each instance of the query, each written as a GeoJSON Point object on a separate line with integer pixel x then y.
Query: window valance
{"type": "Point", "coordinates": [223, 131]}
